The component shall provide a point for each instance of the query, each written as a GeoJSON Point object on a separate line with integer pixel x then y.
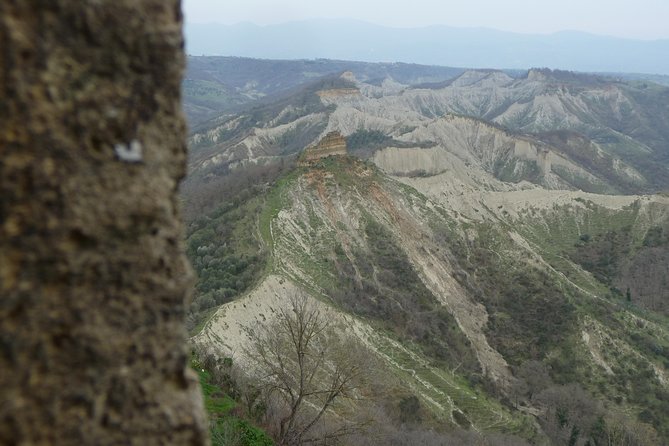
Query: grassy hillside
{"type": "Point", "coordinates": [417, 275]}
{"type": "Point", "coordinates": [491, 299]}
{"type": "Point", "coordinates": [230, 424]}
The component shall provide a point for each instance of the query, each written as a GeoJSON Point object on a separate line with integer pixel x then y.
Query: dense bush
{"type": "Point", "coordinates": [529, 313]}
{"type": "Point", "coordinates": [603, 254]}
{"type": "Point", "coordinates": [226, 253]}
{"type": "Point", "coordinates": [391, 292]}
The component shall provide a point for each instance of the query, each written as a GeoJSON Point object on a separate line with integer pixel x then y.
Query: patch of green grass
{"type": "Point", "coordinates": [226, 429]}
{"type": "Point", "coordinates": [215, 400]}
{"type": "Point", "coordinates": [275, 200]}
{"type": "Point", "coordinates": [238, 432]}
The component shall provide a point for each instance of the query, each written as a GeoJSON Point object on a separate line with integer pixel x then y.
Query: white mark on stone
{"type": "Point", "coordinates": [130, 153]}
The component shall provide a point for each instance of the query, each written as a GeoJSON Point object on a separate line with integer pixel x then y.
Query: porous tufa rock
{"type": "Point", "coordinates": [93, 278]}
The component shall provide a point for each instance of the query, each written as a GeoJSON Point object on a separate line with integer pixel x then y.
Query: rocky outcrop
{"type": "Point", "coordinates": [332, 144]}
{"type": "Point", "coordinates": [334, 93]}
{"type": "Point", "coordinates": [93, 278]}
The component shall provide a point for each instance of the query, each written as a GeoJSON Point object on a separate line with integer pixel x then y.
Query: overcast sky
{"type": "Point", "coordinates": [642, 19]}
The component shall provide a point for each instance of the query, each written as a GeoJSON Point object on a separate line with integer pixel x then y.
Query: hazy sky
{"type": "Point", "coordinates": [643, 19]}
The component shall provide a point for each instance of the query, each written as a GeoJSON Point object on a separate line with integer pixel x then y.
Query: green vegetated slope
{"type": "Point", "coordinates": [458, 308]}
{"type": "Point", "coordinates": [353, 260]}
{"type": "Point", "coordinates": [493, 295]}
{"type": "Point", "coordinates": [616, 258]}
{"type": "Point", "coordinates": [228, 425]}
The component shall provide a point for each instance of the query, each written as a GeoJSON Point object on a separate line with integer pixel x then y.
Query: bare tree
{"type": "Point", "coordinates": [570, 415]}
{"type": "Point", "coordinates": [305, 367]}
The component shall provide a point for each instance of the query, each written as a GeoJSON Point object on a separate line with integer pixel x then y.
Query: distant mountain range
{"type": "Point", "coordinates": [214, 84]}
{"type": "Point", "coordinates": [434, 45]}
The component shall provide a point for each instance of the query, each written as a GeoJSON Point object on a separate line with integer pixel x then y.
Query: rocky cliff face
{"type": "Point", "coordinates": [332, 144]}
{"type": "Point", "coordinates": [93, 276]}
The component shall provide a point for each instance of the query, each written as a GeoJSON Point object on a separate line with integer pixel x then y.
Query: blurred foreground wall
{"type": "Point", "coordinates": [93, 277]}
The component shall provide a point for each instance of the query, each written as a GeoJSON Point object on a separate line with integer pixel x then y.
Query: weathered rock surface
{"type": "Point", "coordinates": [332, 144]}
{"type": "Point", "coordinates": [93, 279]}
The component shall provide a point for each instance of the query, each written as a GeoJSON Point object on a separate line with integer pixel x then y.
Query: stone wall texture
{"type": "Point", "coordinates": [93, 277]}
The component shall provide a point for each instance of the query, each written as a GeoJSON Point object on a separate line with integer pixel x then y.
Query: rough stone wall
{"type": "Point", "coordinates": [93, 277]}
